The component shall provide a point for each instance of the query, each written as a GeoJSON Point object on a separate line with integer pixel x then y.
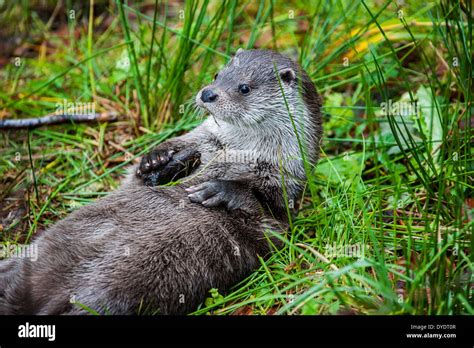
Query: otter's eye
{"type": "Point", "coordinates": [215, 76]}
{"type": "Point", "coordinates": [244, 89]}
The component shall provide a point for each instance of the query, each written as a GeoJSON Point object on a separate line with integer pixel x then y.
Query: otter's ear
{"type": "Point", "coordinates": [240, 50]}
{"type": "Point", "coordinates": [287, 75]}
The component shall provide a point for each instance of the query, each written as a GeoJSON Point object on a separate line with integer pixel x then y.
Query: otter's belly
{"type": "Point", "coordinates": [169, 253]}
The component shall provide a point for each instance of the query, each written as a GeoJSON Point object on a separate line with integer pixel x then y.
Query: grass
{"type": "Point", "coordinates": [387, 220]}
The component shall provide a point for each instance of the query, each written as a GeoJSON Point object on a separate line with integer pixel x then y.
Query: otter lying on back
{"type": "Point", "coordinates": [163, 248]}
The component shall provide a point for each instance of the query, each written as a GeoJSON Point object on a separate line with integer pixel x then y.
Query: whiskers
{"type": "Point", "coordinates": [192, 109]}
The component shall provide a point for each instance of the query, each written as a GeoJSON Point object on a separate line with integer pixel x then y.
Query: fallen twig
{"type": "Point", "coordinates": [56, 119]}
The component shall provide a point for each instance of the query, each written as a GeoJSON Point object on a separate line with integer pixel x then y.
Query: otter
{"type": "Point", "coordinates": [194, 214]}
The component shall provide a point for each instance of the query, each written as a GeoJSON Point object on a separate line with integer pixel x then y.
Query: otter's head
{"type": "Point", "coordinates": [249, 91]}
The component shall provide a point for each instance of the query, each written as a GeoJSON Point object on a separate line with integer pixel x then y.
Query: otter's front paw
{"type": "Point", "coordinates": [217, 193]}
{"type": "Point", "coordinates": [160, 167]}
{"type": "Point", "coordinates": [153, 162]}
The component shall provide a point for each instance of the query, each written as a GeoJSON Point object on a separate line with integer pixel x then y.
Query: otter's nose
{"type": "Point", "coordinates": [208, 96]}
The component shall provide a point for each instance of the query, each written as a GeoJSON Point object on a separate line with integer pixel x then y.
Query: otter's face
{"type": "Point", "coordinates": [249, 89]}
